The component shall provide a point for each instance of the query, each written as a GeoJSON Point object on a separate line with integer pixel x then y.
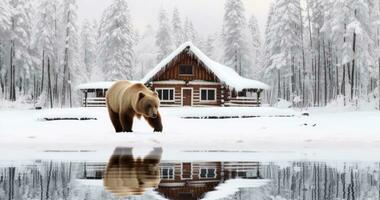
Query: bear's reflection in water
{"type": "Point", "coordinates": [126, 175]}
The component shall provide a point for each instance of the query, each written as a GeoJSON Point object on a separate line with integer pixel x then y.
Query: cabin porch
{"type": "Point", "coordinates": [245, 98]}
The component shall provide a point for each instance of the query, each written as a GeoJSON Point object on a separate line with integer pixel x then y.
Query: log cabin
{"type": "Point", "coordinates": [187, 77]}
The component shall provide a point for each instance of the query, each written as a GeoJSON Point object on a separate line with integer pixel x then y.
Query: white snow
{"type": "Point", "coordinates": [95, 85]}
{"type": "Point", "coordinates": [230, 187]}
{"type": "Point", "coordinates": [225, 74]}
{"type": "Point", "coordinates": [99, 85]}
{"type": "Point", "coordinates": [326, 135]}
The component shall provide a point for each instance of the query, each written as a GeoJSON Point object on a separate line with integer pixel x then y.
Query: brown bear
{"type": "Point", "coordinates": [125, 100]}
{"type": "Point", "coordinates": [126, 175]}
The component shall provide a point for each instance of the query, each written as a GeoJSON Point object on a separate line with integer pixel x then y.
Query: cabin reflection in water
{"type": "Point", "coordinates": [125, 176]}
{"type": "Point", "coordinates": [185, 180]}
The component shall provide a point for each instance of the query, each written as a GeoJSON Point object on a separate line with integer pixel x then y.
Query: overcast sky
{"type": "Point", "coordinates": [207, 15]}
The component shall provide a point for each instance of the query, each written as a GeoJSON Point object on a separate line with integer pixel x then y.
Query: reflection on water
{"type": "Point", "coordinates": [126, 176]}
{"type": "Point", "coordinates": [129, 177]}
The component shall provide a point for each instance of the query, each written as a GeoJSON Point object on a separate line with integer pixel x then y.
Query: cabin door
{"type": "Point", "coordinates": [187, 94]}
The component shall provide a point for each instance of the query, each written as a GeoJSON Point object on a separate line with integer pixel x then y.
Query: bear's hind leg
{"type": "Point", "coordinates": [115, 121]}
{"type": "Point", "coordinates": [126, 122]}
{"type": "Point", "coordinates": [155, 123]}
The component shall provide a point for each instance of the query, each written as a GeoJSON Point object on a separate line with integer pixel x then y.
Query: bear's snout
{"type": "Point", "coordinates": [154, 116]}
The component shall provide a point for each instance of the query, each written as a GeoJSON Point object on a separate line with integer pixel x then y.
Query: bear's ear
{"type": "Point", "coordinates": [155, 94]}
{"type": "Point", "coordinates": [141, 95]}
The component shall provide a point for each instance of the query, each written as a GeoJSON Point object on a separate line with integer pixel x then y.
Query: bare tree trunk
{"type": "Point", "coordinates": [325, 70]}
{"type": "Point", "coordinates": [49, 85]}
{"type": "Point", "coordinates": [11, 74]}
{"type": "Point", "coordinates": [312, 50]}
{"type": "Point", "coordinates": [43, 72]}
{"type": "Point", "coordinates": [12, 89]}
{"type": "Point", "coordinates": [279, 83]}
{"type": "Point", "coordinates": [1, 70]}
{"type": "Point", "coordinates": [378, 85]}
{"type": "Point", "coordinates": [70, 93]}
{"type": "Point", "coordinates": [48, 177]}
{"type": "Point", "coordinates": [337, 78]}
{"type": "Point", "coordinates": [66, 64]}
{"type": "Point", "coordinates": [293, 79]}
{"type": "Point", "coordinates": [319, 72]}
{"type": "Point", "coordinates": [353, 67]}
{"type": "Point", "coordinates": [41, 187]}
{"type": "Point", "coordinates": [303, 87]}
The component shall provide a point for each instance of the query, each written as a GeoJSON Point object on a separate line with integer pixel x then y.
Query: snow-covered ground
{"type": "Point", "coordinates": [323, 135]}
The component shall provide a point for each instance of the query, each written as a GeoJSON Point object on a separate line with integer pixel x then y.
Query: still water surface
{"type": "Point", "coordinates": [127, 177]}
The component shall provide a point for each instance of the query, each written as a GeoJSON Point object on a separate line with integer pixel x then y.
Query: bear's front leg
{"type": "Point", "coordinates": [126, 122]}
{"type": "Point", "coordinates": [155, 123]}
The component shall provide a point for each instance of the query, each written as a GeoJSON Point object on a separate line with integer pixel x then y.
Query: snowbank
{"type": "Point", "coordinates": [228, 112]}
{"type": "Point", "coordinates": [179, 112]}
{"type": "Point", "coordinates": [69, 114]}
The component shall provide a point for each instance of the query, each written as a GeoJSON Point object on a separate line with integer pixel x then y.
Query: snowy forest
{"type": "Point", "coordinates": [312, 52]}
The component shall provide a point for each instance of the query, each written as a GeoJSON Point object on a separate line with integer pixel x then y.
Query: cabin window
{"type": "Point", "coordinates": [208, 94]}
{"type": "Point", "coordinates": [207, 173]}
{"type": "Point", "coordinates": [166, 95]}
{"type": "Point", "coordinates": [186, 70]}
{"type": "Point", "coordinates": [167, 173]}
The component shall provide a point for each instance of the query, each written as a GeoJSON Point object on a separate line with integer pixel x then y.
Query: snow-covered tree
{"type": "Point", "coordinates": [235, 38]}
{"type": "Point", "coordinates": [163, 38]}
{"type": "Point", "coordinates": [146, 52]}
{"type": "Point", "coordinates": [284, 44]}
{"type": "Point", "coordinates": [72, 67]}
{"type": "Point", "coordinates": [189, 30]}
{"type": "Point", "coordinates": [47, 44]}
{"type": "Point", "coordinates": [5, 16]}
{"type": "Point", "coordinates": [21, 59]}
{"type": "Point", "coordinates": [209, 45]}
{"type": "Point", "coordinates": [178, 37]}
{"type": "Point", "coordinates": [116, 42]}
{"type": "Point", "coordinates": [256, 50]}
{"type": "Point", "coordinates": [88, 52]}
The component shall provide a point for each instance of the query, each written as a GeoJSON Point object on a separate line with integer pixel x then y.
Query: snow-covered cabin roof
{"type": "Point", "coordinates": [95, 85]}
{"type": "Point", "coordinates": [98, 85]}
{"type": "Point", "coordinates": [225, 74]}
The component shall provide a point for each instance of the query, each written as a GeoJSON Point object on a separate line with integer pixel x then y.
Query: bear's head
{"type": "Point", "coordinates": [148, 104]}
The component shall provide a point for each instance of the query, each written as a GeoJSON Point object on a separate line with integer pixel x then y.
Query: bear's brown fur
{"type": "Point", "coordinates": [126, 175]}
{"type": "Point", "coordinates": [125, 100]}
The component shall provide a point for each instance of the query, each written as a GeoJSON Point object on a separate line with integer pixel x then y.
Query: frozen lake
{"type": "Point", "coordinates": [272, 154]}
{"type": "Point", "coordinates": [146, 174]}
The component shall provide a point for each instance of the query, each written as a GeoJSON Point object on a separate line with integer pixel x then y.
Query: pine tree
{"type": "Point", "coordinates": [376, 24]}
{"type": "Point", "coordinates": [255, 38]}
{"type": "Point", "coordinates": [72, 68]}
{"type": "Point", "coordinates": [189, 31]}
{"type": "Point", "coordinates": [46, 45]}
{"type": "Point", "coordinates": [284, 43]}
{"type": "Point", "coordinates": [163, 37]}
{"type": "Point", "coordinates": [178, 37]}
{"type": "Point", "coordinates": [116, 41]}
{"type": "Point", "coordinates": [146, 52]}
{"type": "Point", "coordinates": [209, 46]}
{"type": "Point", "coordinates": [5, 23]}
{"type": "Point", "coordinates": [88, 48]}
{"type": "Point", "coordinates": [235, 26]}
{"type": "Point", "coordinates": [21, 60]}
